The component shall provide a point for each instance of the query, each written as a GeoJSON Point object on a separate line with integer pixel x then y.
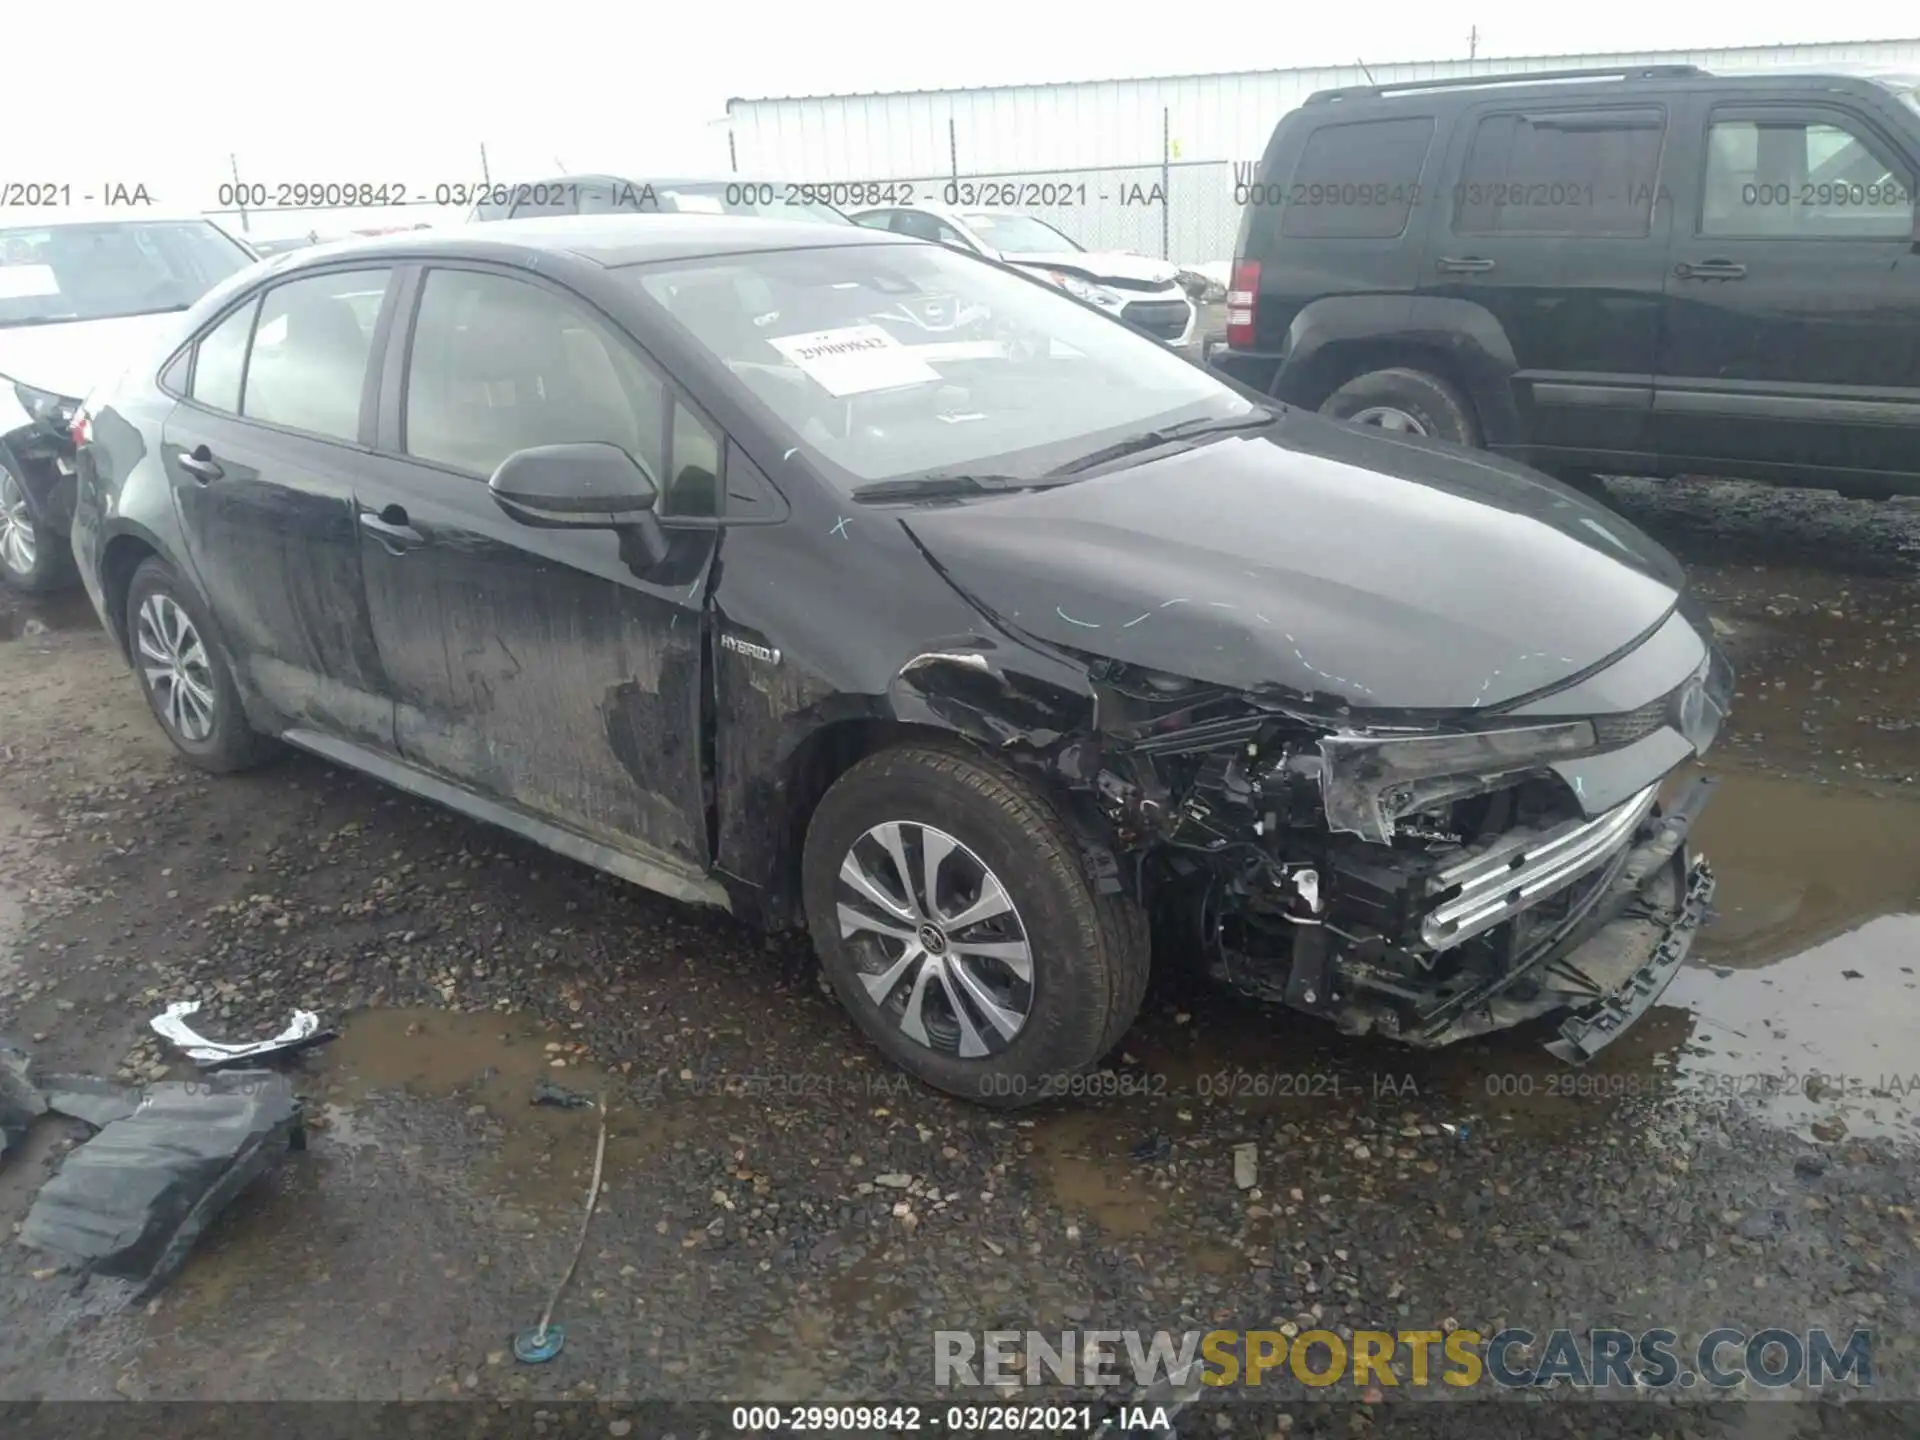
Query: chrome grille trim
{"type": "Point", "coordinates": [1522, 870]}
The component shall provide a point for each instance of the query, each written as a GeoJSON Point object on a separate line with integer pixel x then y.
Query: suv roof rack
{"type": "Point", "coordinates": [1631, 72]}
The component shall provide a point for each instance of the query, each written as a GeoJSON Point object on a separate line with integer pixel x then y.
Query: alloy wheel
{"type": "Point", "coordinates": [174, 661]}
{"type": "Point", "coordinates": [941, 947]}
{"type": "Point", "coordinates": [1388, 417]}
{"type": "Point", "coordinates": [19, 546]}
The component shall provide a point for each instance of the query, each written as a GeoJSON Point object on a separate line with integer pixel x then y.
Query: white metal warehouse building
{"type": "Point", "coordinates": [1121, 138]}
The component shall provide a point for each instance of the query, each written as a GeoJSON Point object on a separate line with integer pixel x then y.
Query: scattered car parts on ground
{"type": "Point", "coordinates": [303, 1032]}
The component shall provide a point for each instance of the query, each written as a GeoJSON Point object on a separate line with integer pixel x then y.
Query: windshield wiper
{"type": "Point", "coordinates": [1167, 435]}
{"type": "Point", "coordinates": [937, 487]}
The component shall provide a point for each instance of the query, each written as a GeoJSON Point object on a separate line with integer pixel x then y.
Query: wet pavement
{"type": "Point", "coordinates": [786, 1218]}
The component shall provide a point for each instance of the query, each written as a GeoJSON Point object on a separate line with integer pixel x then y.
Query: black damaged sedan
{"type": "Point", "coordinates": [844, 581]}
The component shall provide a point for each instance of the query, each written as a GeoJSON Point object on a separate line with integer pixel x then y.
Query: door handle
{"type": "Point", "coordinates": [199, 463]}
{"type": "Point", "coordinates": [392, 528]}
{"type": "Point", "coordinates": [1710, 270]}
{"type": "Point", "coordinates": [1465, 264]}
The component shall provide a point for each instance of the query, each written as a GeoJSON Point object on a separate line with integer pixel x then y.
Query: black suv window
{"type": "Point", "coordinates": [500, 365]}
{"type": "Point", "coordinates": [1357, 181]}
{"type": "Point", "coordinates": [308, 363]}
{"type": "Point", "coordinates": [1569, 172]}
{"type": "Point", "coordinates": [1795, 176]}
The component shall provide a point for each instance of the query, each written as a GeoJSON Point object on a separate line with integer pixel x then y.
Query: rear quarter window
{"type": "Point", "coordinates": [1357, 180]}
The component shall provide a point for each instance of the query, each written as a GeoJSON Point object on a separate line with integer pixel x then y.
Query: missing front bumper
{"type": "Point", "coordinates": [1585, 1034]}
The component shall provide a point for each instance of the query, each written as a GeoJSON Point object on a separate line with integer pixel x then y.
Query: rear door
{"type": "Point", "coordinates": [1792, 337]}
{"type": "Point", "coordinates": [1556, 220]}
{"type": "Point", "coordinates": [263, 452]}
{"type": "Point", "coordinates": [1340, 220]}
{"type": "Point", "coordinates": [538, 667]}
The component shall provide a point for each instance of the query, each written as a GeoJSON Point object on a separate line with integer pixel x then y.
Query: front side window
{"type": "Point", "coordinates": [1357, 181]}
{"type": "Point", "coordinates": [308, 366]}
{"type": "Point", "coordinates": [1018, 234]}
{"type": "Point", "coordinates": [112, 268]}
{"type": "Point", "coordinates": [500, 365]}
{"type": "Point", "coordinates": [1803, 178]}
{"type": "Point", "coordinates": [221, 360]}
{"type": "Point", "coordinates": [1574, 172]}
{"type": "Point", "coordinates": [885, 361]}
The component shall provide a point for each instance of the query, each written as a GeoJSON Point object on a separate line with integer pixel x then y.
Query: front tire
{"type": "Point", "coordinates": [955, 921]}
{"type": "Point", "coordinates": [1406, 401]}
{"type": "Point", "coordinates": [33, 558]}
{"type": "Point", "coordinates": [184, 675]}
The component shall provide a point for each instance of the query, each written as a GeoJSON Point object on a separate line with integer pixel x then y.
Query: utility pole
{"type": "Point", "coordinates": [1473, 43]}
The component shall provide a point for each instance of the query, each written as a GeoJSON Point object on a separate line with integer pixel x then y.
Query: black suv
{"type": "Point", "coordinates": [1652, 271]}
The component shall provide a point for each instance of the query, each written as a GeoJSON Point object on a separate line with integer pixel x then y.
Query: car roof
{"type": "Point", "coordinates": [54, 219]}
{"type": "Point", "coordinates": [606, 240]}
{"type": "Point", "coordinates": [1626, 81]}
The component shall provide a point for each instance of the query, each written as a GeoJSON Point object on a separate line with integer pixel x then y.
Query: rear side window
{"type": "Point", "coordinates": [221, 359]}
{"type": "Point", "coordinates": [1579, 172]}
{"type": "Point", "coordinates": [308, 365]}
{"type": "Point", "coordinates": [1358, 181]}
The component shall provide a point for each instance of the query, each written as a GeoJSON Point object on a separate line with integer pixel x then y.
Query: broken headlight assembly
{"type": "Point", "coordinates": [50, 412]}
{"type": "Point", "coordinates": [1369, 781]}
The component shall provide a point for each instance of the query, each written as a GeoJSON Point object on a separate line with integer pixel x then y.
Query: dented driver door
{"type": "Point", "coordinates": [534, 667]}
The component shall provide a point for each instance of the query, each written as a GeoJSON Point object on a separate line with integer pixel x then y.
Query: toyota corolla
{"type": "Point", "coordinates": [854, 584]}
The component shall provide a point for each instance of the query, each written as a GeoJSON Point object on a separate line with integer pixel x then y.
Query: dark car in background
{"type": "Point", "coordinates": [625, 195]}
{"type": "Point", "coordinates": [1652, 271]}
{"type": "Point", "coordinates": [865, 585]}
{"type": "Point", "coordinates": [79, 290]}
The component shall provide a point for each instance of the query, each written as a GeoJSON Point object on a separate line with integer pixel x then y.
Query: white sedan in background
{"type": "Point", "coordinates": [1145, 293]}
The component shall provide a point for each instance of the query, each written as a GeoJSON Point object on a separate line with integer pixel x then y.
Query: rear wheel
{"type": "Point", "coordinates": [1410, 402]}
{"type": "Point", "coordinates": [33, 558]}
{"type": "Point", "coordinates": [183, 674]}
{"type": "Point", "coordinates": [954, 920]}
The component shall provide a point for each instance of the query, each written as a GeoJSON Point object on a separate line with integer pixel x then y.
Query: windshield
{"type": "Point", "coordinates": [55, 273]}
{"type": "Point", "coordinates": [887, 361]}
{"type": "Point", "coordinates": [1018, 234]}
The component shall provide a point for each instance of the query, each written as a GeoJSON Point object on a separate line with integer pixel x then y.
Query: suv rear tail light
{"type": "Point", "coordinates": [1243, 294]}
{"type": "Point", "coordinates": [81, 430]}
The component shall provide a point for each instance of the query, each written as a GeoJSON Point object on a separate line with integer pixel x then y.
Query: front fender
{"type": "Point", "coordinates": [1467, 338]}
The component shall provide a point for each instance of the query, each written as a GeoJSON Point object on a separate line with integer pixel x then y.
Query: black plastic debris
{"type": "Point", "coordinates": [548, 1092]}
{"type": "Point", "coordinates": [88, 1097]}
{"type": "Point", "coordinates": [21, 1102]}
{"type": "Point", "coordinates": [131, 1202]}
{"type": "Point", "coordinates": [303, 1032]}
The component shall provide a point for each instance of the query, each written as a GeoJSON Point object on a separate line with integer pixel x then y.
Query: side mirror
{"type": "Point", "coordinates": [575, 487]}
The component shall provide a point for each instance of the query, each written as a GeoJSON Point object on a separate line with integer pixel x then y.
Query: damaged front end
{"type": "Point", "coordinates": [1426, 880]}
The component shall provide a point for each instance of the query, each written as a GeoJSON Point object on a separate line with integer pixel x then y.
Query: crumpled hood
{"type": "Point", "coordinates": [1334, 563]}
{"type": "Point", "coordinates": [1101, 265]}
{"type": "Point", "coordinates": [71, 359]}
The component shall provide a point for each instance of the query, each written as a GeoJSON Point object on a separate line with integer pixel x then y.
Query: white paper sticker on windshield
{"type": "Point", "coordinates": [19, 281]}
{"type": "Point", "coordinates": [855, 359]}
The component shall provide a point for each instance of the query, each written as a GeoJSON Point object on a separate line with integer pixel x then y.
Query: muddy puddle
{"type": "Point", "coordinates": [538, 1156]}
{"type": "Point", "coordinates": [1797, 1005]}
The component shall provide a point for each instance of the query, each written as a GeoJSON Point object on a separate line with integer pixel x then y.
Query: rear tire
{"type": "Point", "coordinates": [184, 675]}
{"type": "Point", "coordinates": [905, 964]}
{"type": "Point", "coordinates": [1406, 401]}
{"type": "Point", "coordinates": [34, 558]}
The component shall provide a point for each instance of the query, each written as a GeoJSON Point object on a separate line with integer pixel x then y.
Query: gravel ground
{"type": "Point", "coordinates": [787, 1219]}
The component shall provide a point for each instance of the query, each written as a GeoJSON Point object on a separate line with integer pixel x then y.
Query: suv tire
{"type": "Point", "coordinates": [33, 559]}
{"type": "Point", "coordinates": [184, 675]}
{"type": "Point", "coordinates": [1003, 852]}
{"type": "Point", "coordinates": [1407, 401]}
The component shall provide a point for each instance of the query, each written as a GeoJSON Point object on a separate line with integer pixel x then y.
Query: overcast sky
{"type": "Point", "coordinates": [390, 91]}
